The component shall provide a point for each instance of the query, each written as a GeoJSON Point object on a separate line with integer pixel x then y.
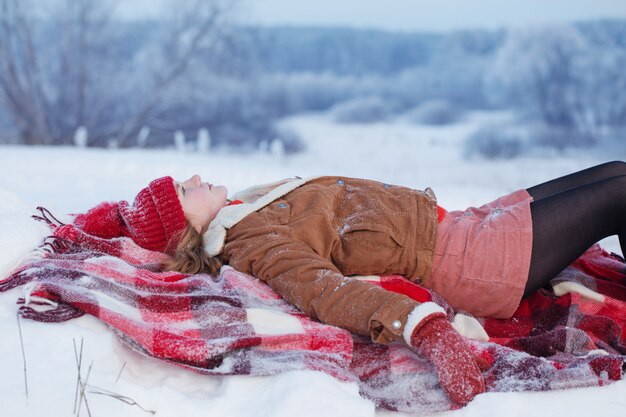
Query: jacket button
{"type": "Point", "coordinates": [282, 205]}
{"type": "Point", "coordinates": [386, 185]}
{"type": "Point", "coordinates": [396, 324]}
{"type": "Point", "coordinates": [497, 211]}
{"type": "Point", "coordinates": [340, 182]}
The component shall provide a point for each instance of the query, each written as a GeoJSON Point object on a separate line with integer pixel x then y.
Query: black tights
{"type": "Point", "coordinates": [572, 213]}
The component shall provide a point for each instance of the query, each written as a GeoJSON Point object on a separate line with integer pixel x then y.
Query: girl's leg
{"type": "Point", "coordinates": [566, 224]}
{"type": "Point", "coordinates": [578, 179]}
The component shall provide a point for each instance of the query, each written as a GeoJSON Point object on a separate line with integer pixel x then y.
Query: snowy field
{"type": "Point", "coordinates": [69, 180]}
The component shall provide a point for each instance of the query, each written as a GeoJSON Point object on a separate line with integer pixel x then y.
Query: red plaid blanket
{"type": "Point", "coordinates": [235, 324]}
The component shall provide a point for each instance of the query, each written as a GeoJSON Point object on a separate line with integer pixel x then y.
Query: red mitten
{"type": "Point", "coordinates": [456, 367]}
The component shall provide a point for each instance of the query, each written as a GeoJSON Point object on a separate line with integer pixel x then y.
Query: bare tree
{"type": "Point", "coordinates": [21, 83]}
{"type": "Point", "coordinates": [59, 70]}
{"type": "Point", "coordinates": [46, 61]}
{"type": "Point", "coordinates": [197, 29]}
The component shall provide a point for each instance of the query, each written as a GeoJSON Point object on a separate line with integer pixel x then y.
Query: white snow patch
{"type": "Point", "coordinates": [273, 322]}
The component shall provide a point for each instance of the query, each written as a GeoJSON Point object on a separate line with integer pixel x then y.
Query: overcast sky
{"type": "Point", "coordinates": [437, 15]}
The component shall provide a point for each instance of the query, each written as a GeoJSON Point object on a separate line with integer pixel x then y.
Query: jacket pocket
{"type": "Point", "coordinates": [368, 248]}
{"type": "Point", "coordinates": [278, 213]}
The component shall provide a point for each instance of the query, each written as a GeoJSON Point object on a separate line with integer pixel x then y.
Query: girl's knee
{"type": "Point", "coordinates": [615, 168]}
{"type": "Point", "coordinates": [620, 181]}
{"type": "Point", "coordinates": [615, 195]}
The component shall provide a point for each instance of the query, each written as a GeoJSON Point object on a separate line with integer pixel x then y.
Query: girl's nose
{"type": "Point", "coordinates": [194, 181]}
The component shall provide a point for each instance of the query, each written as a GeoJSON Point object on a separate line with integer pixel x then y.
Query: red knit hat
{"type": "Point", "coordinates": [154, 221]}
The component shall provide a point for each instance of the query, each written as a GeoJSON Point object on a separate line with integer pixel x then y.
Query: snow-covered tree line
{"type": "Point", "coordinates": [68, 69]}
{"type": "Point", "coordinates": [72, 73]}
{"type": "Point", "coordinates": [570, 86]}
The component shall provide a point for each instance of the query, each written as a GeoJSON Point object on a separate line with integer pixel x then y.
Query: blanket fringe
{"type": "Point", "coordinates": [51, 245]}
{"type": "Point", "coordinates": [61, 245]}
{"type": "Point", "coordinates": [63, 312]}
{"type": "Point", "coordinates": [48, 217]}
{"type": "Point", "coordinates": [36, 254]}
{"type": "Point", "coordinates": [15, 280]}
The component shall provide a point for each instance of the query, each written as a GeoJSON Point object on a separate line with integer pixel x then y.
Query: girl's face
{"type": "Point", "coordinates": [200, 200]}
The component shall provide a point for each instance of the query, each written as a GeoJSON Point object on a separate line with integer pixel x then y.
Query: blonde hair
{"type": "Point", "coordinates": [190, 257]}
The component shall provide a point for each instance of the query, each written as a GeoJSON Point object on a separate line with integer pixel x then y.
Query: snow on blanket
{"type": "Point", "coordinates": [572, 336]}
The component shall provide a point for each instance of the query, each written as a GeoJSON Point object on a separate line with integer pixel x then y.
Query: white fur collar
{"type": "Point", "coordinates": [254, 198]}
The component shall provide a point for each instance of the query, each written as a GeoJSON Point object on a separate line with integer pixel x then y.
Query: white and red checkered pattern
{"type": "Point", "coordinates": [235, 324]}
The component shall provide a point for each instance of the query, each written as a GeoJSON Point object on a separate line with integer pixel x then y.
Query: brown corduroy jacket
{"type": "Point", "coordinates": [307, 243]}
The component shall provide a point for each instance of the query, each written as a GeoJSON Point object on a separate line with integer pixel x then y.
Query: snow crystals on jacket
{"type": "Point", "coordinates": [306, 237]}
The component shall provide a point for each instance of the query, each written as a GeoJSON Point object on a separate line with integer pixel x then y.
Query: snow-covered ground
{"type": "Point", "coordinates": [69, 180]}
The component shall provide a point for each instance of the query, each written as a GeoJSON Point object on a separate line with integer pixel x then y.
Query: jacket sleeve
{"type": "Point", "coordinates": [315, 286]}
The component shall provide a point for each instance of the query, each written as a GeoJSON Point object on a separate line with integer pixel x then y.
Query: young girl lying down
{"type": "Point", "coordinates": [306, 237]}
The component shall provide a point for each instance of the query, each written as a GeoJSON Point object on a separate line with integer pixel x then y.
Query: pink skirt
{"type": "Point", "coordinates": [482, 256]}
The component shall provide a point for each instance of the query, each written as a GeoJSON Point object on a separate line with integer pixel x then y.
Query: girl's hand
{"type": "Point", "coordinates": [454, 362]}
